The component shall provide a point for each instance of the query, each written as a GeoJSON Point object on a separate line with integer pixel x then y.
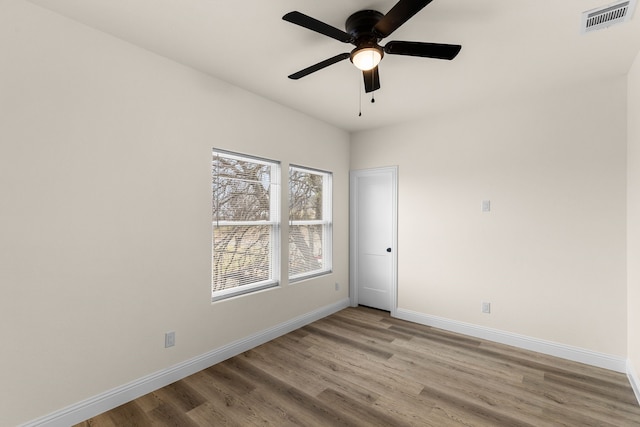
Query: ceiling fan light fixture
{"type": "Point", "coordinates": [366, 58]}
{"type": "Point", "coordinates": [365, 29]}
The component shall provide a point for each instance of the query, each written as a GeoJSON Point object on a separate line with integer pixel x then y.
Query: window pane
{"type": "Point", "coordinates": [306, 198]}
{"type": "Point", "coordinates": [305, 249]}
{"type": "Point", "coordinates": [241, 255]}
{"type": "Point", "coordinates": [241, 190]}
{"type": "Point", "coordinates": [309, 222]}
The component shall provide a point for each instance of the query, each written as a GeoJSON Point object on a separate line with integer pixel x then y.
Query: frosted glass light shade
{"type": "Point", "coordinates": [366, 58]}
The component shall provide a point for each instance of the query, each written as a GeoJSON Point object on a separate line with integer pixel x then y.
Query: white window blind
{"type": "Point", "coordinates": [246, 222]}
{"type": "Point", "coordinates": [310, 223]}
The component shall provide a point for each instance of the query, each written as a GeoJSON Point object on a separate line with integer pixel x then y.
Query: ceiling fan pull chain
{"type": "Point", "coordinates": [373, 99]}
{"type": "Point", "coordinates": [359, 97]}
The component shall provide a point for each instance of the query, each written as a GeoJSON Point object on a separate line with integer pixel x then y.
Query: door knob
{"type": "Point", "coordinates": [388, 249]}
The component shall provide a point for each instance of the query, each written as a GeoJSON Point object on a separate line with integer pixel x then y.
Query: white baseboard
{"type": "Point", "coordinates": [576, 354]}
{"type": "Point", "coordinates": [634, 380]}
{"type": "Point", "coordinates": [110, 399]}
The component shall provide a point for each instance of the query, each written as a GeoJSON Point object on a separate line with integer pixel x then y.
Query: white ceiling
{"type": "Point", "coordinates": [509, 48]}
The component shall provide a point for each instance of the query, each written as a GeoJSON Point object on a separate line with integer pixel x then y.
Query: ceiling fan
{"type": "Point", "coordinates": [365, 29]}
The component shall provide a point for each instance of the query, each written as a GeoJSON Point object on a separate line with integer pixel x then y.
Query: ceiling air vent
{"type": "Point", "coordinates": [617, 13]}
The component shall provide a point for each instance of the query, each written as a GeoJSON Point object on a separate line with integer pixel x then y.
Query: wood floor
{"type": "Point", "coordinates": [360, 367]}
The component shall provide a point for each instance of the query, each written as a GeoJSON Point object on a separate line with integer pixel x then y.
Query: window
{"type": "Point", "coordinates": [310, 224]}
{"type": "Point", "coordinates": [246, 224]}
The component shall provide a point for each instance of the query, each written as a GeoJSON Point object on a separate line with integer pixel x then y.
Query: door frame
{"type": "Point", "coordinates": [353, 233]}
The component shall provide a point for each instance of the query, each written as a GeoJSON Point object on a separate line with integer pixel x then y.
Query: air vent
{"type": "Point", "coordinates": [617, 13]}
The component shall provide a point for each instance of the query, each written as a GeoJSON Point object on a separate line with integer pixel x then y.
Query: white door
{"type": "Point", "coordinates": [373, 238]}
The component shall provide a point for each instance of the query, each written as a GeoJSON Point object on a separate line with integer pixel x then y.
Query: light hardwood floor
{"type": "Point", "coordinates": [360, 367]}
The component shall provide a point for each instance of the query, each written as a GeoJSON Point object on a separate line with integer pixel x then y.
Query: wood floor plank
{"type": "Point", "coordinates": [222, 406]}
{"type": "Point", "coordinates": [169, 414]}
{"type": "Point", "coordinates": [368, 348]}
{"type": "Point", "coordinates": [360, 367]}
{"type": "Point", "coordinates": [316, 377]}
{"type": "Point", "coordinates": [365, 329]}
{"type": "Point", "coordinates": [369, 373]}
{"type": "Point", "coordinates": [308, 408]}
{"type": "Point", "coordinates": [262, 411]}
{"type": "Point", "coordinates": [182, 395]}
{"type": "Point", "coordinates": [307, 380]}
{"type": "Point", "coordinates": [499, 396]}
{"type": "Point", "coordinates": [130, 415]}
{"type": "Point", "coordinates": [365, 414]}
{"type": "Point", "coordinates": [473, 409]}
{"type": "Point", "coordinates": [210, 414]}
{"type": "Point", "coordinates": [574, 401]}
{"type": "Point", "coordinates": [469, 365]}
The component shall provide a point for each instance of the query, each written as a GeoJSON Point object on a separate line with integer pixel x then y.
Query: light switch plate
{"type": "Point", "coordinates": [169, 339]}
{"type": "Point", "coordinates": [486, 307]}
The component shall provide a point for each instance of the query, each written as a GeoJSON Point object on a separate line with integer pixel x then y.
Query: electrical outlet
{"type": "Point", "coordinates": [337, 286]}
{"type": "Point", "coordinates": [169, 339]}
{"type": "Point", "coordinates": [486, 206]}
{"type": "Point", "coordinates": [486, 307]}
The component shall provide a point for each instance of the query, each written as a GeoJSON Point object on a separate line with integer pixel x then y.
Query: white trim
{"type": "Point", "coordinates": [110, 399]}
{"type": "Point", "coordinates": [262, 223]}
{"type": "Point", "coordinates": [223, 294]}
{"type": "Point", "coordinates": [551, 348]}
{"type": "Point", "coordinates": [394, 220]}
{"type": "Point", "coordinates": [309, 221]}
{"type": "Point", "coordinates": [634, 380]}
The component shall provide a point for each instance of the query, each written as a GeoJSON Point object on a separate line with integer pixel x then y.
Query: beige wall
{"type": "Point", "coordinates": [105, 157]}
{"type": "Point", "coordinates": [550, 256]}
{"type": "Point", "coordinates": [633, 216]}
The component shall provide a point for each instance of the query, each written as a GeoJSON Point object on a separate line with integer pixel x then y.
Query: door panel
{"type": "Point", "coordinates": [373, 204]}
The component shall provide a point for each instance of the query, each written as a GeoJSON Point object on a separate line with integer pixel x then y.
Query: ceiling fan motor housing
{"type": "Point", "coordinates": [360, 27]}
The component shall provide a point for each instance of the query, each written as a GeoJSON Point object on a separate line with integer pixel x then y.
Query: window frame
{"type": "Point", "coordinates": [274, 222]}
{"type": "Point", "coordinates": [326, 222]}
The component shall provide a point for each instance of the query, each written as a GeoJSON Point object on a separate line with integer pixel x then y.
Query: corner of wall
{"type": "Point", "coordinates": [550, 348]}
{"type": "Point", "coordinates": [634, 380]}
{"type": "Point", "coordinates": [633, 226]}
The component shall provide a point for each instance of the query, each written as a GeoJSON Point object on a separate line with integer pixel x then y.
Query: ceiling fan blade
{"type": "Point", "coordinates": [371, 80]}
{"type": "Point", "coordinates": [319, 66]}
{"type": "Point", "coordinates": [317, 26]}
{"type": "Point", "coordinates": [398, 15]}
{"type": "Point", "coordinates": [425, 50]}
